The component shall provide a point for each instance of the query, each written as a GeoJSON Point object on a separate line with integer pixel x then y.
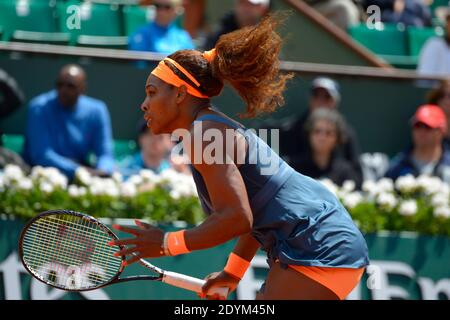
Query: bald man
{"type": "Point", "coordinates": [64, 127]}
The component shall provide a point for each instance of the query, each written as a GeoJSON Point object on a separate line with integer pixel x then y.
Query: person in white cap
{"type": "Point", "coordinates": [245, 13]}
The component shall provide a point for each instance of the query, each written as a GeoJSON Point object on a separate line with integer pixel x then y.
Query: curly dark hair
{"type": "Point", "coordinates": [248, 60]}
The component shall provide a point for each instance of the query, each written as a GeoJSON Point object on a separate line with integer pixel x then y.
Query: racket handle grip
{"type": "Point", "coordinates": [190, 283]}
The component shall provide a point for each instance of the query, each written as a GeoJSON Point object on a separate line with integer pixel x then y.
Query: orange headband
{"type": "Point", "coordinates": [163, 72]}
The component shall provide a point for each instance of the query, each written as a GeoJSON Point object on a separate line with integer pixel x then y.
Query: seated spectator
{"type": "Point", "coordinates": [245, 13]}
{"type": "Point", "coordinates": [343, 13]}
{"type": "Point", "coordinates": [408, 12]}
{"type": "Point", "coordinates": [64, 127]}
{"type": "Point", "coordinates": [162, 35]}
{"type": "Point", "coordinates": [294, 139]}
{"type": "Point", "coordinates": [441, 97]}
{"type": "Point", "coordinates": [326, 130]}
{"type": "Point", "coordinates": [154, 154]}
{"type": "Point", "coordinates": [11, 98]}
{"type": "Point", "coordinates": [434, 58]}
{"type": "Point", "coordinates": [427, 155]}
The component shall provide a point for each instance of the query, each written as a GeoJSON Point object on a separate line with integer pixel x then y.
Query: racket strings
{"type": "Point", "coordinates": [70, 252]}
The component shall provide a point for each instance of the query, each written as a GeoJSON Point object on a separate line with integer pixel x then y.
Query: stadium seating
{"type": "Point", "coordinates": [60, 38]}
{"type": "Point", "coordinates": [122, 148]}
{"type": "Point", "coordinates": [135, 16]}
{"type": "Point", "coordinates": [386, 40]}
{"type": "Point", "coordinates": [418, 36]}
{"type": "Point", "coordinates": [100, 25]}
{"type": "Point", "coordinates": [27, 15]}
{"type": "Point", "coordinates": [109, 25]}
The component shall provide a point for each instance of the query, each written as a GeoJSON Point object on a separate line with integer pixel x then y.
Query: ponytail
{"type": "Point", "coordinates": [248, 60]}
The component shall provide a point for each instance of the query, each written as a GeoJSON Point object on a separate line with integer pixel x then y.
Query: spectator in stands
{"type": "Point", "coordinates": [440, 96]}
{"type": "Point", "coordinates": [408, 12]}
{"type": "Point", "coordinates": [11, 98]}
{"type": "Point", "coordinates": [64, 127]}
{"type": "Point", "coordinates": [343, 13]}
{"type": "Point", "coordinates": [325, 93]}
{"type": "Point", "coordinates": [434, 57]}
{"type": "Point", "coordinates": [154, 154]}
{"type": "Point", "coordinates": [326, 130]}
{"type": "Point", "coordinates": [162, 35]}
{"type": "Point", "coordinates": [428, 155]}
{"type": "Point", "coordinates": [244, 14]}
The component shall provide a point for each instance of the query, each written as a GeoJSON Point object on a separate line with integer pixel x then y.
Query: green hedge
{"type": "Point", "coordinates": [408, 204]}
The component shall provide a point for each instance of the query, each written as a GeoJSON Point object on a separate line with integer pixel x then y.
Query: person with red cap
{"type": "Point", "coordinates": [428, 155]}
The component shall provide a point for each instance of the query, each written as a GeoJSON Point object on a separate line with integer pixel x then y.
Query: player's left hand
{"type": "Point", "coordinates": [147, 242]}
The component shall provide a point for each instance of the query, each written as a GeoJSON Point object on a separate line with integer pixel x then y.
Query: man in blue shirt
{"type": "Point", "coordinates": [161, 35]}
{"type": "Point", "coordinates": [64, 127]}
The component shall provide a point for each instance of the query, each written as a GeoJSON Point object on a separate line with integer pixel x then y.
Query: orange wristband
{"type": "Point", "coordinates": [236, 266]}
{"type": "Point", "coordinates": [176, 244]}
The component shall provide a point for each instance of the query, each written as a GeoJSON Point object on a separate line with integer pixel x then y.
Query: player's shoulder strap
{"type": "Point", "coordinates": [220, 119]}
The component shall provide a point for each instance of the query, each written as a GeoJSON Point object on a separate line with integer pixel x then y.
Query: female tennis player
{"type": "Point", "coordinates": [314, 249]}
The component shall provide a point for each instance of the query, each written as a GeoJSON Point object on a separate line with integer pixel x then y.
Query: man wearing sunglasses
{"type": "Point", "coordinates": [427, 155]}
{"type": "Point", "coordinates": [162, 35]}
{"type": "Point", "coordinates": [64, 127]}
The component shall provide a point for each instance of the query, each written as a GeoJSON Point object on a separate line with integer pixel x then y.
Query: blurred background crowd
{"type": "Point", "coordinates": [67, 129]}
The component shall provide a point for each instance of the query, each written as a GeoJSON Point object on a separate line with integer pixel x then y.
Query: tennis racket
{"type": "Point", "coordinates": [69, 250]}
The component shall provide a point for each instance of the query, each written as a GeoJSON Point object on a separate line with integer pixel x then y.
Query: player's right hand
{"type": "Point", "coordinates": [219, 279]}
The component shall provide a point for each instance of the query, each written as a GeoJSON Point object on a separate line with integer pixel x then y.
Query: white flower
{"type": "Point", "coordinates": [128, 189]}
{"type": "Point", "coordinates": [385, 185]}
{"type": "Point", "coordinates": [439, 200]}
{"type": "Point", "coordinates": [109, 187]}
{"type": "Point", "coordinates": [175, 194]}
{"type": "Point", "coordinates": [73, 191]}
{"type": "Point", "coordinates": [84, 176]}
{"type": "Point", "coordinates": [352, 199]}
{"type": "Point", "coordinates": [59, 180]}
{"type": "Point", "coordinates": [117, 177]}
{"type": "Point", "coordinates": [112, 191]}
{"type": "Point", "coordinates": [46, 187]}
{"type": "Point", "coordinates": [25, 184]}
{"type": "Point", "coordinates": [387, 200]}
{"type": "Point", "coordinates": [348, 186]}
{"type": "Point", "coordinates": [148, 176]}
{"type": "Point", "coordinates": [169, 174]}
{"type": "Point", "coordinates": [82, 191]}
{"type": "Point", "coordinates": [370, 187]}
{"type": "Point", "coordinates": [2, 182]}
{"type": "Point", "coordinates": [430, 185]}
{"type": "Point", "coordinates": [408, 207]}
{"type": "Point", "coordinates": [442, 211]}
{"type": "Point", "coordinates": [135, 179]}
{"type": "Point", "coordinates": [37, 172]}
{"type": "Point", "coordinates": [12, 173]}
{"type": "Point", "coordinates": [445, 189]}
{"type": "Point", "coordinates": [406, 183]}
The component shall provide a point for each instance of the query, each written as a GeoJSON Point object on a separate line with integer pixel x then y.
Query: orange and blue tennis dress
{"type": "Point", "coordinates": [297, 221]}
